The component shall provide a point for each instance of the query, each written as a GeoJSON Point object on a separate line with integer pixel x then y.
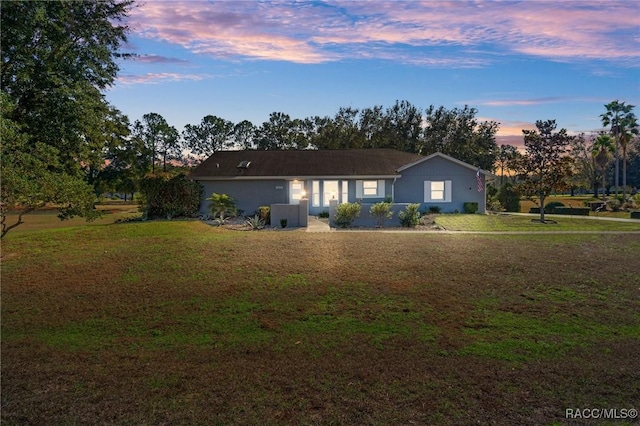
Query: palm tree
{"type": "Point", "coordinates": [624, 124]}
{"type": "Point", "coordinates": [601, 151]}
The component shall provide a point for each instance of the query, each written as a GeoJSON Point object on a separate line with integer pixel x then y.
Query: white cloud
{"type": "Point", "coordinates": [156, 78]}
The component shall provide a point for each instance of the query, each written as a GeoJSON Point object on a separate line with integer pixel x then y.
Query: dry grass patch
{"type": "Point", "coordinates": [181, 323]}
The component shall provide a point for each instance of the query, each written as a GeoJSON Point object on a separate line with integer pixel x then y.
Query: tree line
{"type": "Point", "coordinates": [63, 143]}
{"type": "Point", "coordinates": [602, 161]}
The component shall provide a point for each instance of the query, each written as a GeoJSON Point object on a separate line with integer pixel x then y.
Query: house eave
{"type": "Point", "coordinates": [319, 177]}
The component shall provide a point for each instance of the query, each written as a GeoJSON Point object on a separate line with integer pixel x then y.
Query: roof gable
{"type": "Point", "coordinates": [302, 163]}
{"type": "Point", "coordinates": [446, 157]}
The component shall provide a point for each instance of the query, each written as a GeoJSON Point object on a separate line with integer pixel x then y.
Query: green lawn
{"type": "Point", "coordinates": [506, 222]}
{"type": "Point", "coordinates": [182, 323]}
{"type": "Point", "coordinates": [575, 201]}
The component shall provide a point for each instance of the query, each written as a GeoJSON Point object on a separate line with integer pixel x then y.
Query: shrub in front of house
{"type": "Point", "coordinates": [323, 215]}
{"type": "Point", "coordinates": [222, 206]}
{"type": "Point", "coordinates": [165, 196]}
{"type": "Point", "coordinates": [346, 213]}
{"type": "Point", "coordinates": [470, 207]}
{"type": "Point", "coordinates": [264, 212]}
{"type": "Point", "coordinates": [255, 223]}
{"type": "Point", "coordinates": [509, 197]}
{"type": "Point", "coordinates": [381, 211]}
{"type": "Point", "coordinates": [410, 216]}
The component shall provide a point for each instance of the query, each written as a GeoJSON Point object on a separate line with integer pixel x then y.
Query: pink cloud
{"type": "Point", "coordinates": [321, 32]}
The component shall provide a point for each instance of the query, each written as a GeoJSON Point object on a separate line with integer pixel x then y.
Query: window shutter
{"type": "Point", "coordinates": [427, 191]}
{"type": "Point", "coordinates": [447, 191]}
{"type": "Point", "coordinates": [381, 188]}
{"type": "Point", "coordinates": [359, 189]}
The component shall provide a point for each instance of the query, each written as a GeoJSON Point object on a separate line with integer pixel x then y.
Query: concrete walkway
{"type": "Point", "coordinates": [317, 225]}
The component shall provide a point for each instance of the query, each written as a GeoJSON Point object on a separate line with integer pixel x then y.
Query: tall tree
{"type": "Point", "coordinates": [634, 163]}
{"type": "Point", "coordinates": [340, 132]}
{"type": "Point", "coordinates": [601, 151]}
{"type": "Point", "coordinates": [153, 130]}
{"type": "Point", "coordinates": [584, 170]}
{"type": "Point", "coordinates": [243, 134]}
{"type": "Point", "coordinates": [403, 127]}
{"type": "Point", "coordinates": [128, 163]}
{"type": "Point", "coordinates": [372, 125]}
{"type": "Point", "coordinates": [170, 148]}
{"type": "Point", "coordinates": [458, 133]}
{"type": "Point", "coordinates": [623, 125]}
{"type": "Point", "coordinates": [57, 59]}
{"type": "Point", "coordinates": [281, 132]}
{"type": "Point", "coordinates": [506, 155]}
{"type": "Point", "coordinates": [211, 135]}
{"type": "Point", "coordinates": [545, 167]}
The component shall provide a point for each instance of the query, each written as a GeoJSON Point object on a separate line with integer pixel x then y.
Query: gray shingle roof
{"type": "Point", "coordinates": [301, 163]}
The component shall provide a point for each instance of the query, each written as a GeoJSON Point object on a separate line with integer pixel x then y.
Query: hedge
{"type": "Point", "coordinates": [575, 211]}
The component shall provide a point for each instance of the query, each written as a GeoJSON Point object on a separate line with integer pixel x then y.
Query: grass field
{"type": "Point", "coordinates": [517, 223]}
{"type": "Point", "coordinates": [181, 323]}
{"type": "Point", "coordinates": [575, 201]}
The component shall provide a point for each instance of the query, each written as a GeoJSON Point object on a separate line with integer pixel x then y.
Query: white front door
{"type": "Point", "coordinates": [296, 191]}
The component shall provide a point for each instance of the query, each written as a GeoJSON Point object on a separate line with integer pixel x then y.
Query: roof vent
{"type": "Point", "coordinates": [244, 164]}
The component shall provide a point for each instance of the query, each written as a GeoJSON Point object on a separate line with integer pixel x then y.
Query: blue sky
{"type": "Point", "coordinates": [514, 61]}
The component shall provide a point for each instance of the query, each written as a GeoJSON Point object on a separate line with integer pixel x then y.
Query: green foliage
{"type": "Point", "coordinates": [283, 223]}
{"type": "Point", "coordinates": [492, 190]}
{"type": "Point", "coordinates": [211, 135]}
{"type": "Point", "coordinates": [545, 167]}
{"type": "Point", "coordinates": [57, 58]}
{"type": "Point", "coordinates": [575, 211]}
{"type": "Point", "coordinates": [458, 133]}
{"type": "Point", "coordinates": [624, 127]}
{"type": "Point", "coordinates": [470, 207]}
{"type": "Point", "coordinates": [167, 196]}
{"type": "Point", "coordinates": [265, 214]}
{"type": "Point", "coordinates": [255, 223]}
{"type": "Point", "coordinates": [509, 197]}
{"type": "Point", "coordinates": [614, 204]}
{"type": "Point", "coordinates": [30, 180]}
{"type": "Point", "coordinates": [323, 215]}
{"type": "Point", "coordinates": [222, 206]}
{"type": "Point", "coordinates": [346, 213]}
{"type": "Point", "coordinates": [410, 216]}
{"type": "Point", "coordinates": [434, 209]}
{"type": "Point", "coordinates": [381, 211]}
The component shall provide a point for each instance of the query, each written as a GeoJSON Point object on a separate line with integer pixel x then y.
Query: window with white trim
{"type": "Point", "coordinates": [315, 193]}
{"type": "Point", "coordinates": [437, 191]}
{"type": "Point", "coordinates": [370, 188]}
{"type": "Point", "coordinates": [330, 191]}
{"type": "Point", "coordinates": [345, 191]}
{"type": "Point", "coordinates": [296, 192]}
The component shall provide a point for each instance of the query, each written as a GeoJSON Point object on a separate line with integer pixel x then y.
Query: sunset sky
{"type": "Point", "coordinates": [515, 61]}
